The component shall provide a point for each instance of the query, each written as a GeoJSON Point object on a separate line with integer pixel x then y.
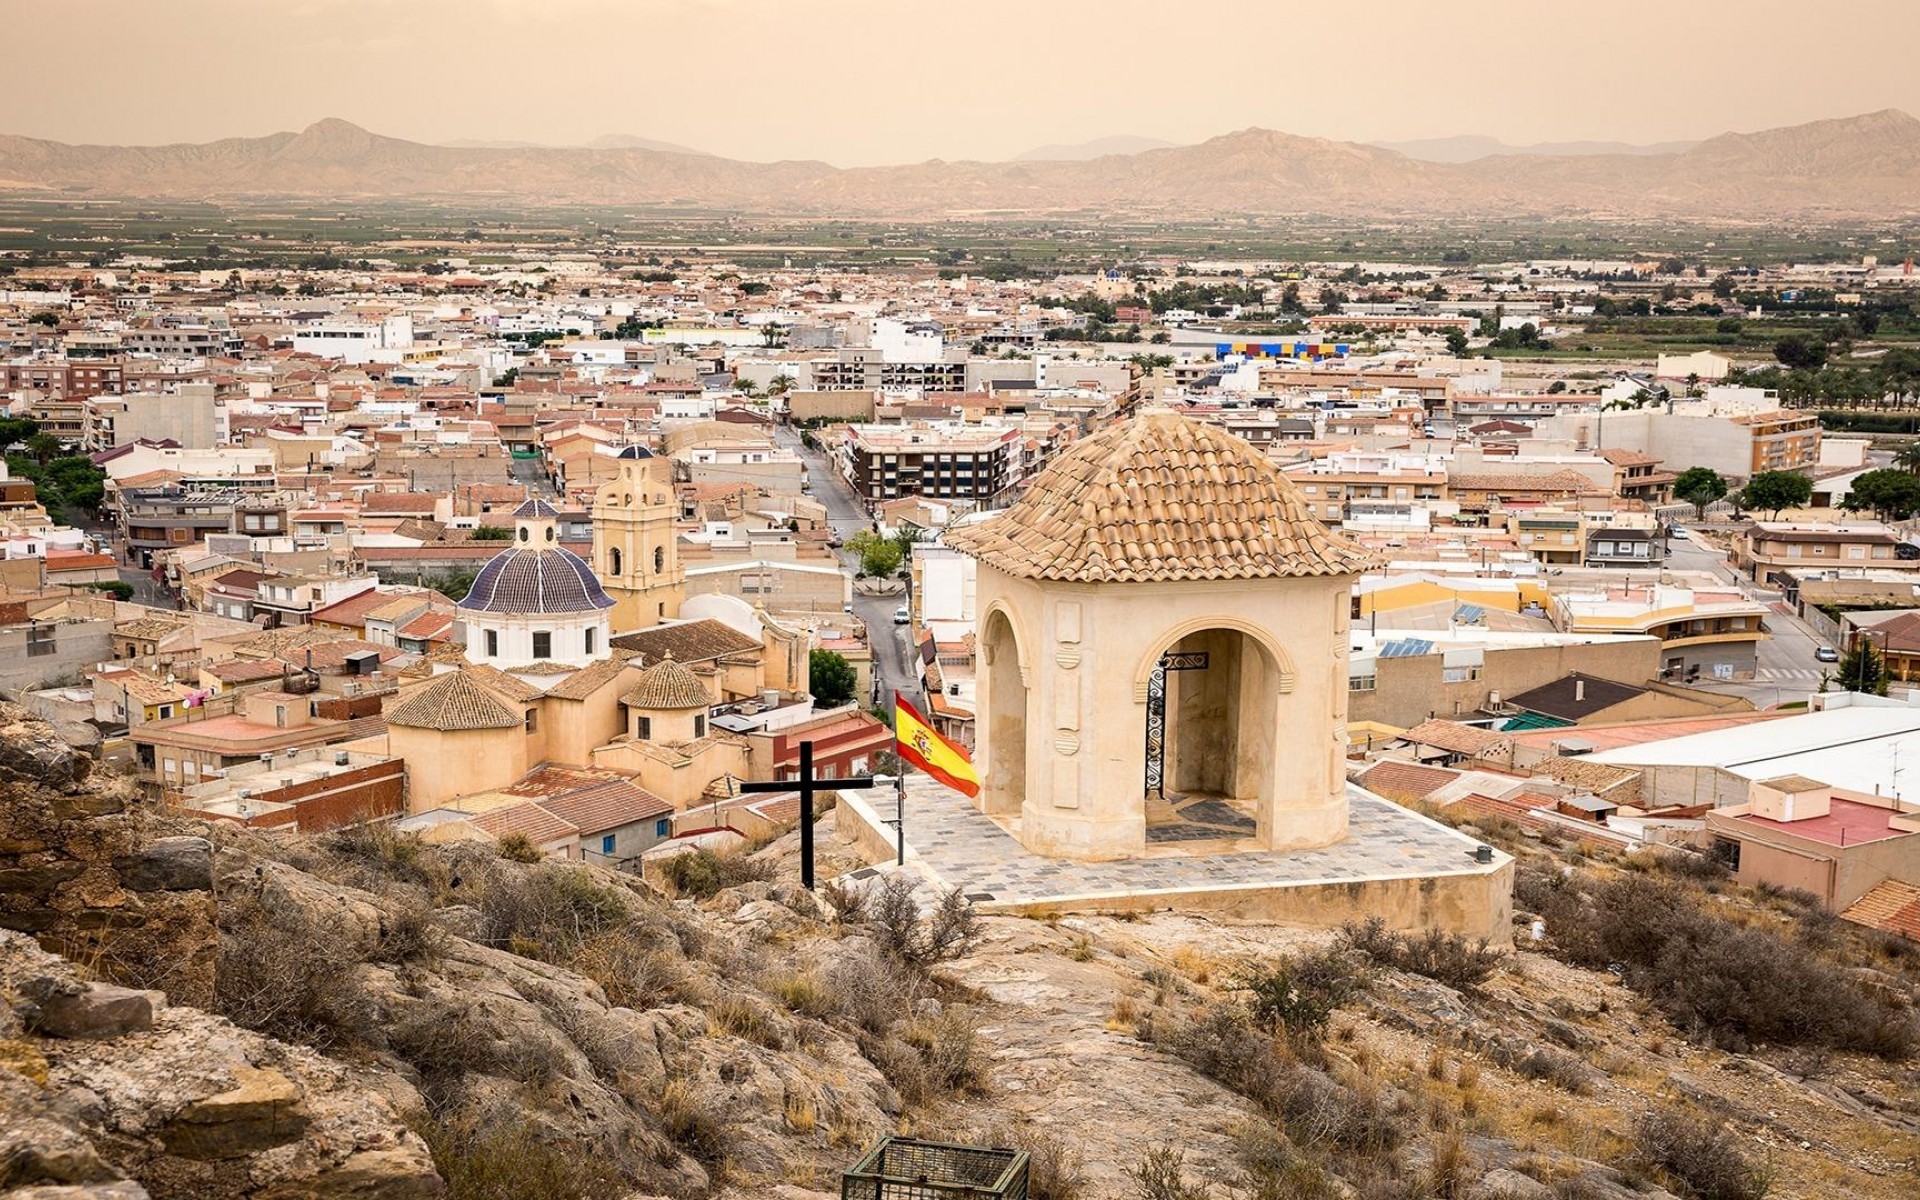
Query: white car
{"type": "Point", "coordinates": [901, 616]}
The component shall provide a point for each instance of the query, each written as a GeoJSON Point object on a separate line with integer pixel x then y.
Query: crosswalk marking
{"type": "Point", "coordinates": [1769, 675]}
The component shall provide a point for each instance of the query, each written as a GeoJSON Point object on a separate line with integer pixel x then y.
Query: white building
{"type": "Point", "coordinates": [536, 601]}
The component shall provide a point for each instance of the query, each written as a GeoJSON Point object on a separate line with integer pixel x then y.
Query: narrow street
{"type": "Point", "coordinates": [1788, 672]}
{"type": "Point", "coordinates": [894, 665]}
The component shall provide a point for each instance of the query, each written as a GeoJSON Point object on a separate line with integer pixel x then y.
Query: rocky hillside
{"type": "Point", "coordinates": [1859, 166]}
{"type": "Point", "coordinates": [391, 1020]}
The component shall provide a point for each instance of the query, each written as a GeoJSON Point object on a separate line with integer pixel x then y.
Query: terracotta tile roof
{"type": "Point", "coordinates": [1571, 483]}
{"type": "Point", "coordinates": [588, 679]}
{"type": "Point", "coordinates": [454, 702]}
{"type": "Point", "coordinates": [1405, 781]}
{"type": "Point", "coordinates": [538, 825]}
{"type": "Point", "coordinates": [687, 641]}
{"type": "Point", "coordinates": [1161, 497]}
{"type": "Point", "coordinates": [667, 685]}
{"type": "Point", "coordinates": [503, 685]}
{"type": "Point", "coordinates": [1456, 738]}
{"type": "Point", "coordinates": [1890, 906]}
{"type": "Point", "coordinates": [607, 806]}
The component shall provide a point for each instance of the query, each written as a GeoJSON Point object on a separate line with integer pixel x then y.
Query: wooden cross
{"type": "Point", "coordinates": [807, 784]}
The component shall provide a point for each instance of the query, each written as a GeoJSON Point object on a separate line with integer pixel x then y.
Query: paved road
{"type": "Point", "coordinates": [894, 665]}
{"type": "Point", "coordinates": [1788, 672]}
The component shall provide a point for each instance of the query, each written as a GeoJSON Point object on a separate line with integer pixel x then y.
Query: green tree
{"type": "Point", "coordinates": [1863, 669]}
{"type": "Point", "coordinates": [116, 588]}
{"type": "Point", "coordinates": [44, 447]}
{"type": "Point", "coordinates": [1891, 495]}
{"type": "Point", "coordinates": [1456, 343]}
{"type": "Point", "coordinates": [492, 533]}
{"type": "Point", "coordinates": [1800, 352]}
{"type": "Point", "coordinates": [830, 677]}
{"type": "Point", "coordinates": [1700, 486]}
{"type": "Point", "coordinates": [878, 555]}
{"type": "Point", "coordinates": [1907, 460]}
{"type": "Point", "coordinates": [904, 539]}
{"type": "Point", "coordinates": [1771, 491]}
{"type": "Point", "coordinates": [17, 429]}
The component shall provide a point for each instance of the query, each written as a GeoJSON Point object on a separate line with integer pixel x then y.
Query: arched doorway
{"type": "Point", "coordinates": [1003, 719]}
{"type": "Point", "coordinates": [1212, 728]}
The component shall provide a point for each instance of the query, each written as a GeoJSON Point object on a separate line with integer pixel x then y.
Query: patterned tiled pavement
{"type": "Point", "coordinates": [963, 848]}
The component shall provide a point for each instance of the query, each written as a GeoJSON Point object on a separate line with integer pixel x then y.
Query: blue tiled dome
{"type": "Point", "coordinates": [552, 580]}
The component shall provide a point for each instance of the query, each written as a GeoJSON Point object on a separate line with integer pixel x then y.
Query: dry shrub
{"type": "Point", "coordinates": [378, 853]}
{"type": "Point", "coordinates": [694, 1121]}
{"type": "Point", "coordinates": [1272, 1169]}
{"type": "Point", "coordinates": [550, 912]}
{"type": "Point", "coordinates": [511, 1162]}
{"type": "Point", "coordinates": [1442, 957]}
{"type": "Point", "coordinates": [1727, 984]}
{"type": "Point", "coordinates": [741, 1017]}
{"type": "Point", "coordinates": [1161, 1175]}
{"type": "Point", "coordinates": [1563, 1071]}
{"type": "Point", "coordinates": [408, 933]}
{"type": "Point", "coordinates": [803, 992]}
{"type": "Point", "coordinates": [1701, 1154]}
{"type": "Point", "coordinates": [631, 972]}
{"type": "Point", "coordinates": [1297, 995]}
{"type": "Point", "coordinates": [1053, 1164]}
{"type": "Point", "coordinates": [518, 847]}
{"type": "Point", "coordinates": [949, 1046]}
{"type": "Point", "coordinates": [948, 931]}
{"type": "Point", "coordinates": [702, 874]}
{"type": "Point", "coordinates": [849, 901]}
{"type": "Point", "coordinates": [288, 975]}
{"type": "Point", "coordinates": [869, 990]}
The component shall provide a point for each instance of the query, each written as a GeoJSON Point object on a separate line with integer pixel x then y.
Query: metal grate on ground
{"type": "Point", "coordinates": [907, 1169]}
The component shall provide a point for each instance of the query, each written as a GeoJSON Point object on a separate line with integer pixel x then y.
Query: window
{"type": "Point", "coordinates": [542, 644]}
{"type": "Point", "coordinates": [493, 643]}
{"type": "Point", "coordinates": [1362, 683]}
{"type": "Point", "coordinates": [590, 640]}
{"type": "Point", "coordinates": [646, 729]}
{"type": "Point", "coordinates": [613, 561]}
{"type": "Point", "coordinates": [699, 726]}
{"type": "Point", "coordinates": [659, 558]}
{"type": "Point", "coordinates": [606, 844]}
{"type": "Point", "coordinates": [533, 719]}
{"type": "Point", "coordinates": [166, 712]}
{"type": "Point", "coordinates": [662, 827]}
{"type": "Point", "coordinates": [40, 642]}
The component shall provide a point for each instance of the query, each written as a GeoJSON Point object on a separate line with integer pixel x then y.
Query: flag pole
{"type": "Point", "coordinates": [899, 790]}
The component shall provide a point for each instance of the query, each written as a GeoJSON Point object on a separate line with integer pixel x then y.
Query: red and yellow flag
{"type": "Point", "coordinates": [917, 743]}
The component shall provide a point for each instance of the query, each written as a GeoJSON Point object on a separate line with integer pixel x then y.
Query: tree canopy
{"type": "Point", "coordinates": [1863, 669]}
{"type": "Point", "coordinates": [878, 555]}
{"type": "Point", "coordinates": [1771, 491]}
{"type": "Point", "coordinates": [830, 677]}
{"type": "Point", "coordinates": [1891, 495]}
{"type": "Point", "coordinates": [1700, 486]}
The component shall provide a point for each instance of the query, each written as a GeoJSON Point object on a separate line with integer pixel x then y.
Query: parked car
{"type": "Point", "coordinates": [1826, 654]}
{"type": "Point", "coordinates": [901, 616]}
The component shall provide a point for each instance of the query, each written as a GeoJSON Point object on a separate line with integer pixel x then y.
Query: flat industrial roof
{"type": "Point", "coordinates": [1857, 749]}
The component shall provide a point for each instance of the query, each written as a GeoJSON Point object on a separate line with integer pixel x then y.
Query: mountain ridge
{"type": "Point", "coordinates": [1866, 165]}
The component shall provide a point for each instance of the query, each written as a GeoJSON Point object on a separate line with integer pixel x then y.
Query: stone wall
{"type": "Point", "coordinates": [97, 875]}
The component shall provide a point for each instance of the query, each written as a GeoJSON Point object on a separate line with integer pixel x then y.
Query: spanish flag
{"type": "Point", "coordinates": [917, 743]}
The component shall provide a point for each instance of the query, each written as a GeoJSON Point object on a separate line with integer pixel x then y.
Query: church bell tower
{"type": "Point", "coordinates": [634, 549]}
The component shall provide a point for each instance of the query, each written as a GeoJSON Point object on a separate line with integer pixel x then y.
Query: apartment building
{"type": "Point", "coordinates": [1704, 630]}
{"type": "Point", "coordinates": [1766, 549]}
{"type": "Point", "coordinates": [947, 461]}
{"type": "Point", "coordinates": [1344, 487]}
{"type": "Point", "coordinates": [191, 417]}
{"type": "Point", "coordinates": [62, 378]}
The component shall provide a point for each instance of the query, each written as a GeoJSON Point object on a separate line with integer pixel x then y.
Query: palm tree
{"type": "Point", "coordinates": [1908, 459]}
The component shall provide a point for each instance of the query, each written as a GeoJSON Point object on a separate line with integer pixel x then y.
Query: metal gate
{"type": "Point", "coordinates": [1192, 660]}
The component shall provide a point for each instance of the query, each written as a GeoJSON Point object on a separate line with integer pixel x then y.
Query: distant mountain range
{"type": "Point", "coordinates": [606, 141]}
{"type": "Point", "coordinates": [1124, 143]}
{"type": "Point", "coordinates": [1468, 147]}
{"type": "Point", "coordinates": [1864, 166]}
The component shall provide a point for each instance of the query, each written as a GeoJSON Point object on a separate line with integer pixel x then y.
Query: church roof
{"type": "Point", "coordinates": [667, 685]}
{"type": "Point", "coordinates": [453, 702]}
{"type": "Point", "coordinates": [1160, 498]}
{"type": "Point", "coordinates": [535, 509]}
{"type": "Point", "coordinates": [525, 580]}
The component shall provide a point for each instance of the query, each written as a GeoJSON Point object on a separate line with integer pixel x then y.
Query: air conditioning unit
{"type": "Point", "coordinates": [246, 793]}
{"type": "Point", "coordinates": [341, 758]}
{"type": "Point", "coordinates": [953, 689]}
{"type": "Point", "coordinates": [267, 758]}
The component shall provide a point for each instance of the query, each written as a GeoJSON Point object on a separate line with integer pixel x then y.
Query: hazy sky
{"type": "Point", "coordinates": [874, 81]}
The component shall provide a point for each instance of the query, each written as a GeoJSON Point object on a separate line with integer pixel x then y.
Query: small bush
{"type": "Point", "coordinates": [1724, 983]}
{"type": "Point", "coordinates": [949, 1046]}
{"type": "Point", "coordinates": [693, 1121]}
{"type": "Point", "coordinates": [550, 912]}
{"type": "Point", "coordinates": [1442, 957]}
{"type": "Point", "coordinates": [511, 1162]}
{"type": "Point", "coordinates": [702, 874]}
{"type": "Point", "coordinates": [518, 847]}
{"type": "Point", "coordinates": [288, 976]}
{"type": "Point", "coordinates": [870, 990]}
{"type": "Point", "coordinates": [1701, 1154]}
{"type": "Point", "coordinates": [1298, 995]}
{"type": "Point", "coordinates": [1161, 1175]}
{"type": "Point", "coordinates": [408, 933]}
{"type": "Point", "coordinates": [1053, 1164]}
{"type": "Point", "coordinates": [948, 932]}
{"type": "Point", "coordinates": [383, 851]}
{"type": "Point", "coordinates": [744, 1018]}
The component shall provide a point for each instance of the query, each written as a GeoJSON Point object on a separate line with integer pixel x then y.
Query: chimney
{"type": "Point", "coordinates": [1579, 690]}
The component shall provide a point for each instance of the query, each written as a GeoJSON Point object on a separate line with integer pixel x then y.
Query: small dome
{"type": "Point", "coordinates": [533, 581]}
{"type": "Point", "coordinates": [667, 685]}
{"type": "Point", "coordinates": [536, 509]}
